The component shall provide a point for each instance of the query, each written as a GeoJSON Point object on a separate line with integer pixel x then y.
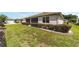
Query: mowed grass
{"type": "Point", "coordinates": [18, 35]}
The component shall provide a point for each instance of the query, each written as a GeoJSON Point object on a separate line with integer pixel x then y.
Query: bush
{"type": "Point", "coordinates": [62, 28]}
{"type": "Point", "coordinates": [24, 23]}
{"type": "Point", "coordinates": [73, 21]}
{"type": "Point", "coordinates": [16, 21]}
{"type": "Point", "coordinates": [77, 23]}
{"type": "Point", "coordinates": [2, 24]}
{"type": "Point", "coordinates": [59, 28]}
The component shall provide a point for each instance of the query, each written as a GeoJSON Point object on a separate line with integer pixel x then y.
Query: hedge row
{"type": "Point", "coordinates": [59, 28]}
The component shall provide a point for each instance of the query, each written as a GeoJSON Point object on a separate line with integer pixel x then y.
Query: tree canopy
{"type": "Point", "coordinates": [70, 17]}
{"type": "Point", "coordinates": [3, 17]}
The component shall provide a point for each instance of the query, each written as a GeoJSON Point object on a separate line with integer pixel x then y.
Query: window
{"type": "Point", "coordinates": [43, 19]}
{"type": "Point", "coordinates": [47, 19]}
{"type": "Point", "coordinates": [34, 20]}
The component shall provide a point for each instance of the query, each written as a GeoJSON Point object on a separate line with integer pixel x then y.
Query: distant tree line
{"type": "Point", "coordinates": [71, 18]}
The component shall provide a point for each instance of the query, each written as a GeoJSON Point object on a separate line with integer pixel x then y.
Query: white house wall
{"type": "Point", "coordinates": [10, 22]}
{"type": "Point", "coordinates": [55, 19]}
{"type": "Point", "coordinates": [60, 21]}
{"type": "Point", "coordinates": [54, 22]}
{"type": "Point", "coordinates": [40, 20]}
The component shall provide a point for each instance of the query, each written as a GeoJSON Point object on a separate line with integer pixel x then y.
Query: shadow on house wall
{"type": "Point", "coordinates": [2, 38]}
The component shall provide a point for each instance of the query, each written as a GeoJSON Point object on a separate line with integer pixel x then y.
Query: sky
{"type": "Point", "coordinates": [15, 15]}
{"type": "Point", "coordinates": [74, 13]}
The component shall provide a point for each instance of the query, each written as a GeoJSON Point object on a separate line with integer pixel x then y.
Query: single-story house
{"type": "Point", "coordinates": [10, 21]}
{"type": "Point", "coordinates": [46, 18]}
{"type": "Point", "coordinates": [66, 20]}
{"type": "Point", "coordinates": [17, 20]}
{"type": "Point", "coordinates": [77, 21]}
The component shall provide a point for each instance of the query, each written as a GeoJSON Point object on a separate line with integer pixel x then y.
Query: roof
{"type": "Point", "coordinates": [44, 14]}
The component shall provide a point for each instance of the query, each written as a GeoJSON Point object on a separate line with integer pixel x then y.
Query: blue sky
{"type": "Point", "coordinates": [15, 15]}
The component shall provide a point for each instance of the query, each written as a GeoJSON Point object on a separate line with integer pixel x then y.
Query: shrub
{"type": "Point", "coordinates": [73, 21]}
{"type": "Point", "coordinates": [62, 28]}
{"type": "Point", "coordinates": [59, 28]}
{"type": "Point", "coordinates": [2, 24]}
{"type": "Point", "coordinates": [16, 21]}
{"type": "Point", "coordinates": [34, 25]}
{"type": "Point", "coordinates": [77, 24]}
{"type": "Point", "coordinates": [24, 23]}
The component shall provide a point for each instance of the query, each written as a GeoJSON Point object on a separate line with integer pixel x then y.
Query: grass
{"type": "Point", "coordinates": [18, 35]}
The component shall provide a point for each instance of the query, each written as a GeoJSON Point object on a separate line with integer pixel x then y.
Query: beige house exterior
{"type": "Point", "coordinates": [46, 18]}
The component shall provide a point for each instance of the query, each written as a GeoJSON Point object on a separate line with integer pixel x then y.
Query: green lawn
{"type": "Point", "coordinates": [22, 35]}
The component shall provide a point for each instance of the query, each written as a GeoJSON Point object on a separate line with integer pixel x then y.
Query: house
{"type": "Point", "coordinates": [66, 20]}
{"type": "Point", "coordinates": [46, 18]}
{"type": "Point", "coordinates": [77, 22]}
{"type": "Point", "coordinates": [17, 20]}
{"type": "Point", "coordinates": [10, 21]}
{"type": "Point", "coordinates": [24, 20]}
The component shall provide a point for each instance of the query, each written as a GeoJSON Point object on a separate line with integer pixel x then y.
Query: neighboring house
{"type": "Point", "coordinates": [77, 21]}
{"type": "Point", "coordinates": [13, 21]}
{"type": "Point", "coordinates": [46, 18]}
{"type": "Point", "coordinates": [17, 20]}
{"type": "Point", "coordinates": [10, 21]}
{"type": "Point", "coordinates": [66, 20]}
{"type": "Point", "coordinates": [23, 20]}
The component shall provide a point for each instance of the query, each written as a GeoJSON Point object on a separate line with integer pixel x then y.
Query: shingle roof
{"type": "Point", "coordinates": [44, 14]}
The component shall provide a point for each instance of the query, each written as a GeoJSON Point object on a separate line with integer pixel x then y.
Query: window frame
{"type": "Point", "coordinates": [45, 19]}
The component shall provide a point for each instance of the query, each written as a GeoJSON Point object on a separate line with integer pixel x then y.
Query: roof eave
{"type": "Point", "coordinates": [45, 15]}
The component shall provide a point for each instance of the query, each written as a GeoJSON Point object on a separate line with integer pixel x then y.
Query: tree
{"type": "Point", "coordinates": [2, 20]}
{"type": "Point", "coordinates": [71, 18]}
